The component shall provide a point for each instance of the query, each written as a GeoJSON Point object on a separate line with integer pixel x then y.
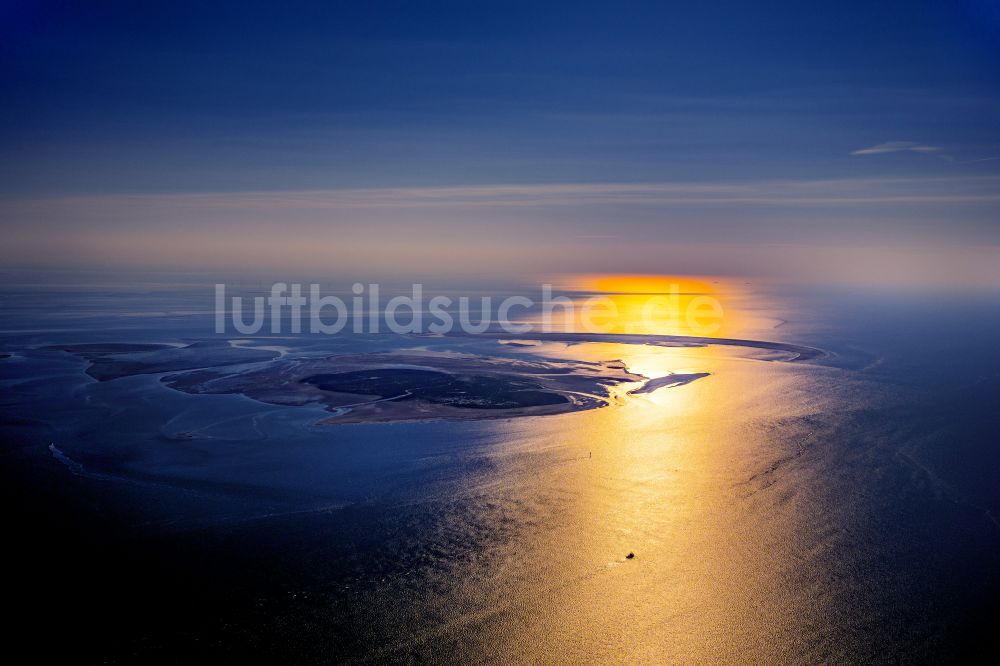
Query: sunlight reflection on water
{"type": "Point", "coordinates": [671, 476]}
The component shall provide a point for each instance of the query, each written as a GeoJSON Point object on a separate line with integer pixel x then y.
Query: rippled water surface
{"type": "Point", "coordinates": [839, 509]}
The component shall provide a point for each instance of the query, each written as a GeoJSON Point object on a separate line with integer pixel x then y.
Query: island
{"type": "Point", "coordinates": [406, 386]}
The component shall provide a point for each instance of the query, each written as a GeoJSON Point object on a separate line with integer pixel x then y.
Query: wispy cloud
{"type": "Point", "coordinates": [825, 193]}
{"type": "Point", "coordinates": [512, 229]}
{"type": "Point", "coordinates": [897, 147]}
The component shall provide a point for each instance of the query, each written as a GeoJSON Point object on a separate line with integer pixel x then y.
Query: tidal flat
{"type": "Point", "coordinates": [382, 387]}
{"type": "Point", "coordinates": [412, 384]}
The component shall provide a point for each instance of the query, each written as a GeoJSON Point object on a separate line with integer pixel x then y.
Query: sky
{"type": "Point", "coordinates": [847, 140]}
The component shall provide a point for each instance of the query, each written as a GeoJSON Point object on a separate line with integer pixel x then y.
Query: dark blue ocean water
{"type": "Point", "coordinates": [845, 510]}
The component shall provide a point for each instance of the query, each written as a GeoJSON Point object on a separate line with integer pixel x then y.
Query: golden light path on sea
{"type": "Point", "coordinates": [677, 477]}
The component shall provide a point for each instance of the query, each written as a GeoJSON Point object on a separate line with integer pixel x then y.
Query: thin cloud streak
{"type": "Point", "coordinates": [826, 193]}
{"type": "Point", "coordinates": [523, 229]}
{"type": "Point", "coordinates": [897, 147]}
